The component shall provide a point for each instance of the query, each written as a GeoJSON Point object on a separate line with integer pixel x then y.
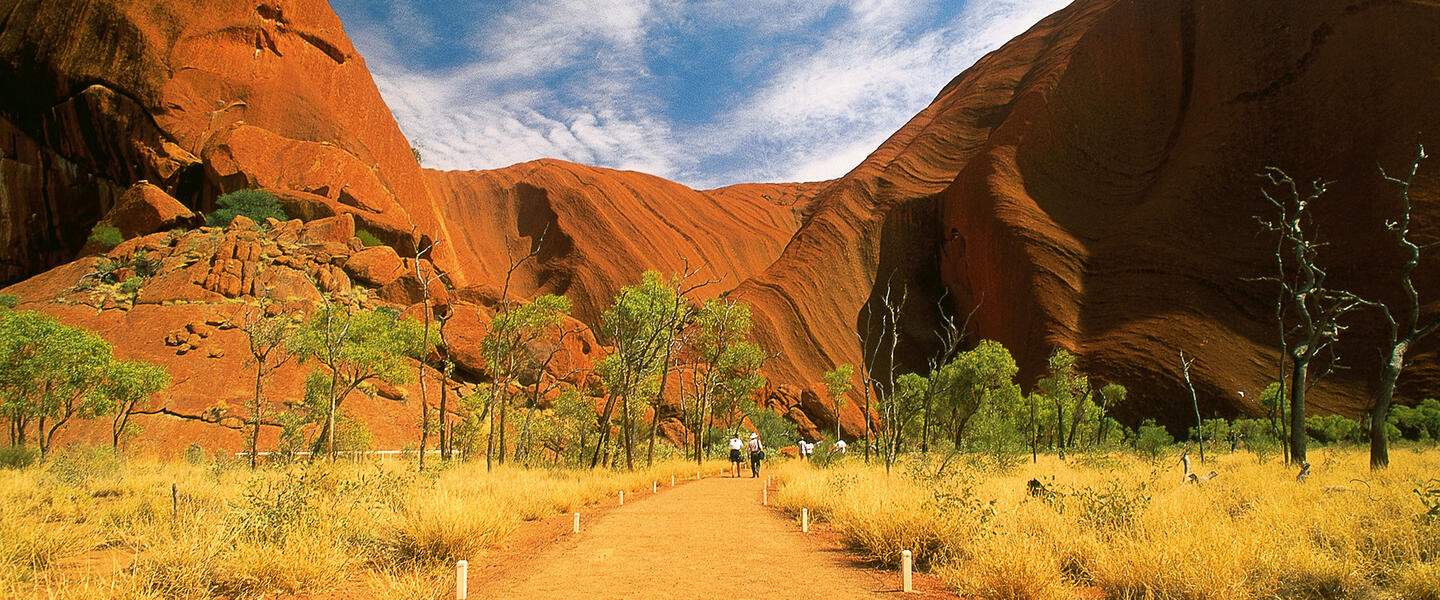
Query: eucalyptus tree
{"type": "Point", "coordinates": [353, 347]}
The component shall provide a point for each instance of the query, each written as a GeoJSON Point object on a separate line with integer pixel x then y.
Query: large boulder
{"type": "Point", "coordinates": [331, 229]}
{"type": "Point", "coordinates": [376, 266]}
{"type": "Point", "coordinates": [144, 209]}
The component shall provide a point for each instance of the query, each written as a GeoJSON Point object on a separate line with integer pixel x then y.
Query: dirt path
{"type": "Point", "coordinates": [704, 539]}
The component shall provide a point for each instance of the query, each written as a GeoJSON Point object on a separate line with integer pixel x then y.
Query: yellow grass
{"type": "Point", "coordinates": [1128, 526]}
{"type": "Point", "coordinates": [87, 526]}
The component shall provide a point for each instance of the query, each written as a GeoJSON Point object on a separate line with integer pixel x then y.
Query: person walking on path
{"type": "Point", "coordinates": [757, 454]}
{"type": "Point", "coordinates": [735, 457]}
{"type": "Point", "coordinates": [804, 449]}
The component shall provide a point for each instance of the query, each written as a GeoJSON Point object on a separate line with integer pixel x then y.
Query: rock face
{"type": "Point", "coordinates": [198, 101]}
{"type": "Point", "coordinates": [1113, 211]}
{"type": "Point", "coordinates": [596, 230]}
{"type": "Point", "coordinates": [1094, 185]}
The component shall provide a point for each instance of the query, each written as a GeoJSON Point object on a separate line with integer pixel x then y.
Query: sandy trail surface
{"type": "Point", "coordinates": [705, 539]}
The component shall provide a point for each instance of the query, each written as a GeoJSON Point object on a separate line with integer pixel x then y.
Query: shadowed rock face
{"type": "Point", "coordinates": [1090, 185]}
{"type": "Point", "coordinates": [1113, 210]}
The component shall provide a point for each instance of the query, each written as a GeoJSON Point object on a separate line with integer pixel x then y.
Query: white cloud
{"type": "Point", "coordinates": [569, 79]}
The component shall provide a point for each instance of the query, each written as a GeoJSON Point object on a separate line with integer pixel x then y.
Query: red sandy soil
{"type": "Point", "coordinates": [706, 539]}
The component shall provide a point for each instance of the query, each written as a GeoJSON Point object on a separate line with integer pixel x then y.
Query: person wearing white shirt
{"type": "Point", "coordinates": [757, 454]}
{"type": "Point", "coordinates": [840, 446]}
{"type": "Point", "coordinates": [735, 457]}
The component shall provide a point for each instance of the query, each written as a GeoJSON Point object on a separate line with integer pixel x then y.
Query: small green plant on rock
{"type": "Point", "coordinates": [367, 238]}
{"type": "Point", "coordinates": [107, 237]}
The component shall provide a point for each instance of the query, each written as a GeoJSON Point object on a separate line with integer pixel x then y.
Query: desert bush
{"type": "Point", "coordinates": [367, 238]}
{"type": "Point", "coordinates": [131, 285]}
{"type": "Point", "coordinates": [16, 457]}
{"type": "Point", "coordinates": [105, 236]}
{"type": "Point", "coordinates": [1420, 422]}
{"type": "Point", "coordinates": [1330, 429]}
{"type": "Point", "coordinates": [1151, 438]}
{"type": "Point", "coordinates": [257, 205]}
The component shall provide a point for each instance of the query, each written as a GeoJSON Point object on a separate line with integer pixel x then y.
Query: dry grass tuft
{"type": "Point", "coordinates": [1129, 528]}
{"type": "Point", "coordinates": [286, 530]}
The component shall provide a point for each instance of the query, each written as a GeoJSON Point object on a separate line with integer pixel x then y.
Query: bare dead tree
{"type": "Point", "coordinates": [1194, 403]}
{"type": "Point", "coordinates": [887, 397]}
{"type": "Point", "coordinates": [870, 352]}
{"type": "Point", "coordinates": [447, 366]}
{"type": "Point", "coordinates": [1403, 324]}
{"type": "Point", "coordinates": [1316, 308]}
{"type": "Point", "coordinates": [268, 336]}
{"type": "Point", "coordinates": [425, 278]}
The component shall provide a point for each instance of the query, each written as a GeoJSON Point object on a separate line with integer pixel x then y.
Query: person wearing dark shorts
{"type": "Point", "coordinates": [736, 457]}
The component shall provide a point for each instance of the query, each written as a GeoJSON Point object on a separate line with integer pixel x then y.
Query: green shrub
{"type": "Point", "coordinates": [18, 457]}
{"type": "Point", "coordinates": [193, 454]}
{"type": "Point", "coordinates": [258, 205]}
{"type": "Point", "coordinates": [131, 285]}
{"type": "Point", "coordinates": [9, 301]}
{"type": "Point", "coordinates": [1151, 438]}
{"type": "Point", "coordinates": [1332, 428]}
{"type": "Point", "coordinates": [368, 238]}
{"type": "Point", "coordinates": [107, 237]}
{"type": "Point", "coordinates": [143, 265]}
{"type": "Point", "coordinates": [1417, 422]}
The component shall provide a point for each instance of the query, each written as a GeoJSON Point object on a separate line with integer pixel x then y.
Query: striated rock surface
{"type": "Point", "coordinates": [602, 228]}
{"type": "Point", "coordinates": [1093, 185]}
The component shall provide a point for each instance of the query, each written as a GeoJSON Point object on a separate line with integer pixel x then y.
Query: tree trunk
{"type": "Point", "coordinates": [500, 451]}
{"type": "Point", "coordinates": [865, 416]}
{"type": "Point", "coordinates": [330, 416]}
{"type": "Point", "coordinates": [625, 431]}
{"type": "Point", "coordinates": [1298, 375]}
{"type": "Point", "coordinates": [444, 431]}
{"type": "Point", "coordinates": [255, 413]}
{"type": "Point", "coordinates": [1380, 413]}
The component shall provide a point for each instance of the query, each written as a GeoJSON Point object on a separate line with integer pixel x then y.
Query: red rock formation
{"type": "Point", "coordinates": [602, 228]}
{"type": "Point", "coordinates": [1089, 185]}
{"type": "Point", "coordinates": [144, 209]}
{"type": "Point", "coordinates": [1094, 183]}
{"type": "Point", "coordinates": [1112, 210]}
{"type": "Point", "coordinates": [199, 101]}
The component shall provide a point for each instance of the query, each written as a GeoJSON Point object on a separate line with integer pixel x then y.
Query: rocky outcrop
{"type": "Point", "coordinates": [198, 102]}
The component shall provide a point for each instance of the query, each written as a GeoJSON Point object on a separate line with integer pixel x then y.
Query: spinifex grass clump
{"type": "Point", "coordinates": [225, 531]}
{"type": "Point", "coordinates": [1129, 527]}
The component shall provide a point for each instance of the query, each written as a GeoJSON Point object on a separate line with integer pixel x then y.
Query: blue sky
{"type": "Point", "coordinates": [704, 92]}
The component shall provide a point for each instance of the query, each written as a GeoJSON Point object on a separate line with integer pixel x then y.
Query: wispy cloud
{"type": "Point", "coordinates": [579, 80]}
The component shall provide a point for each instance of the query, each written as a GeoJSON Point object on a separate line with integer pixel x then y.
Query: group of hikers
{"type": "Point", "coordinates": [756, 450]}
